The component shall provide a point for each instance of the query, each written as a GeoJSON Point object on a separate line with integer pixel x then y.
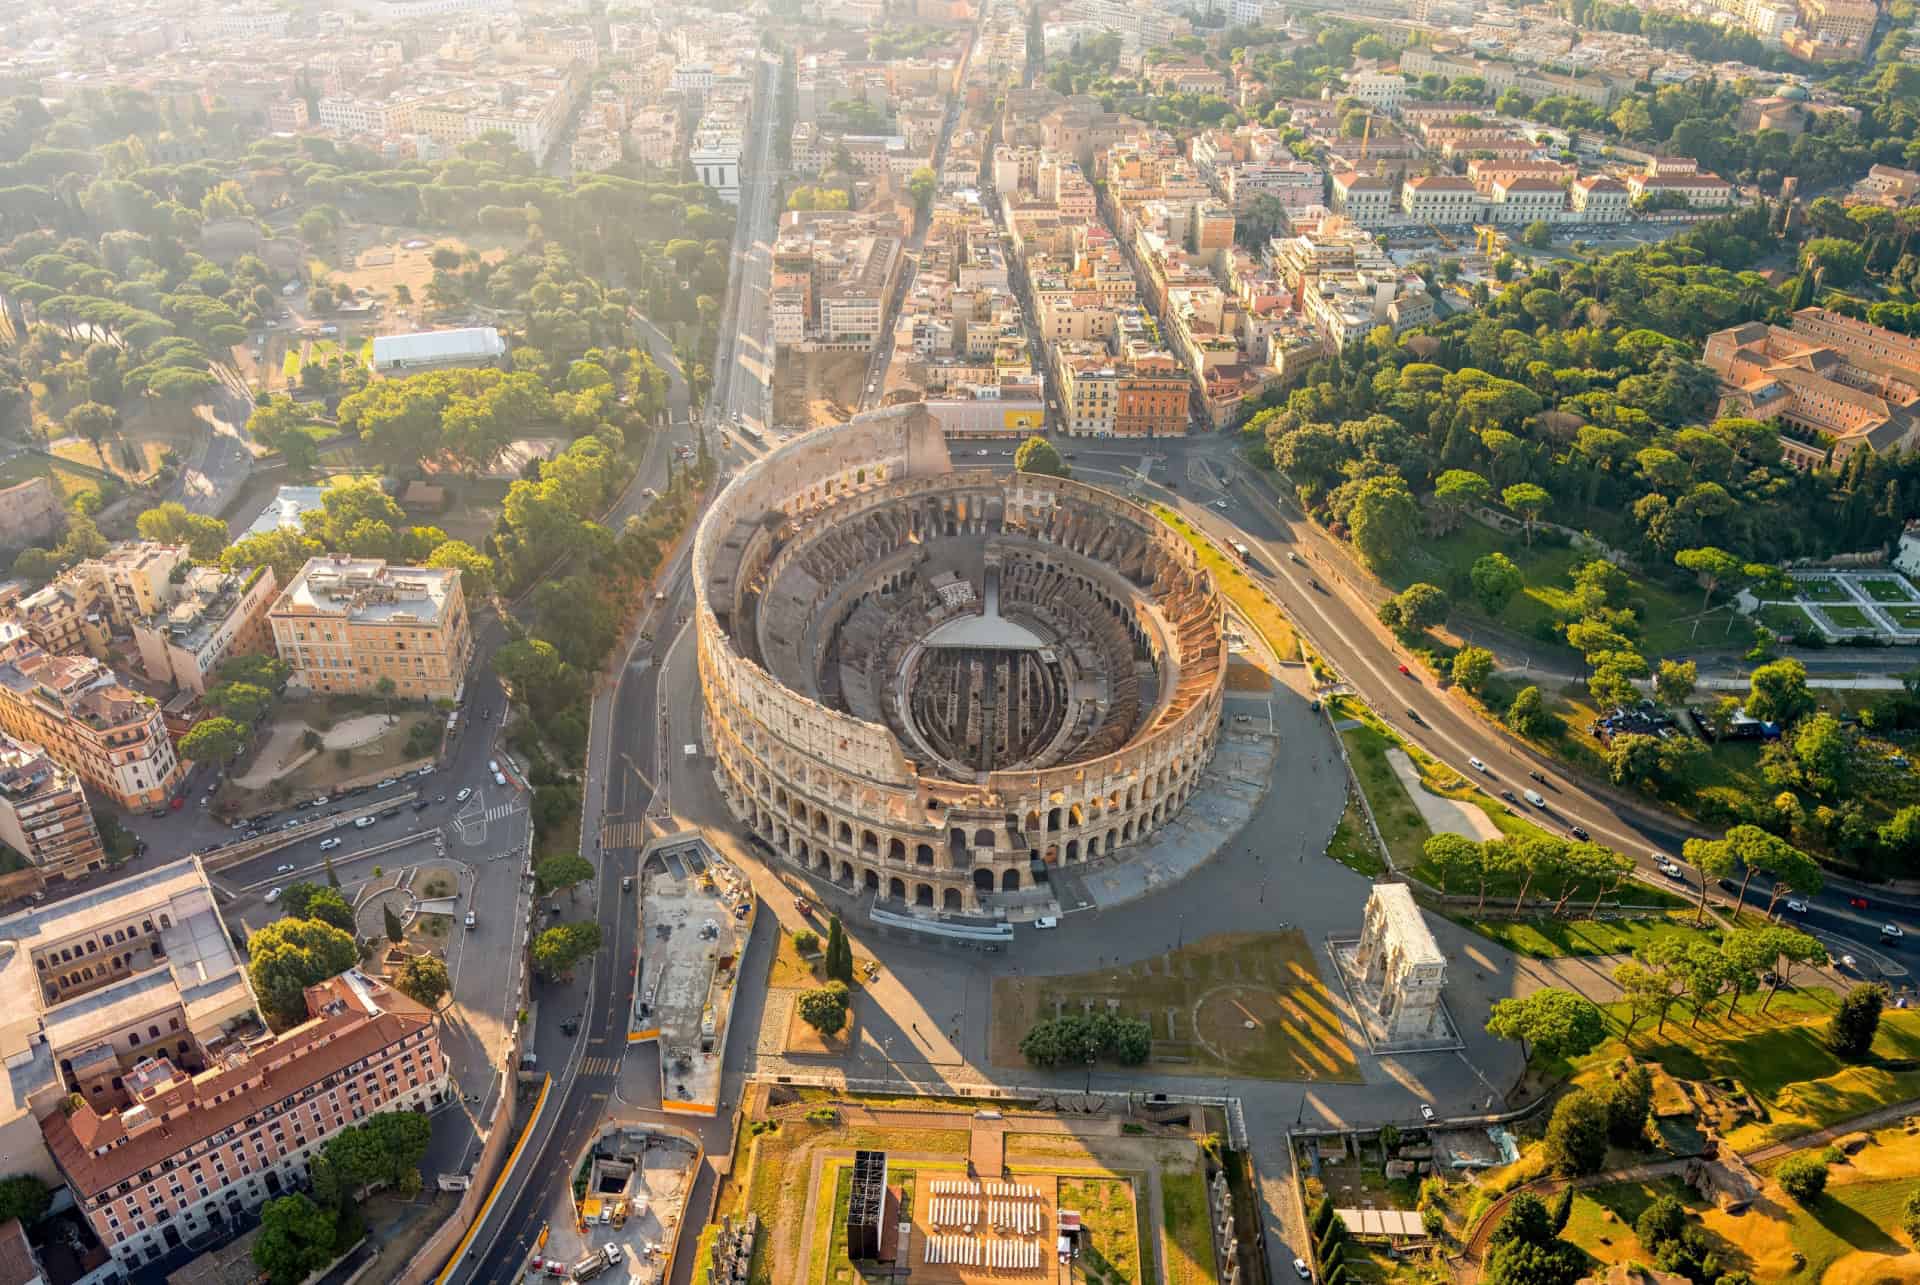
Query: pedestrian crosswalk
{"type": "Point", "coordinates": [623, 834]}
{"type": "Point", "coordinates": [600, 1066]}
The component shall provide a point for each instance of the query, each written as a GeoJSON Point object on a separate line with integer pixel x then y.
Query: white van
{"type": "Point", "coordinates": [1533, 797]}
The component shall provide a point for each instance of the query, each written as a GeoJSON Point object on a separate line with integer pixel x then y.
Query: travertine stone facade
{"type": "Point", "coordinates": [1398, 960]}
{"type": "Point", "coordinates": [920, 680]}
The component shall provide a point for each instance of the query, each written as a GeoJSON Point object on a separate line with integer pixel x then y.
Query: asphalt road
{"type": "Point", "coordinates": [743, 366]}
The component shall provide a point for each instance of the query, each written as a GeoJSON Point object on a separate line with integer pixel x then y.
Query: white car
{"type": "Point", "coordinates": [1892, 932]}
{"type": "Point", "coordinates": [387, 784]}
{"type": "Point", "coordinates": [1221, 505]}
{"type": "Point", "coordinates": [493, 766]}
{"type": "Point", "coordinates": [273, 895]}
{"type": "Point", "coordinates": [328, 845]}
{"type": "Point", "coordinates": [1426, 1112]}
{"type": "Point", "coordinates": [614, 1253]}
{"type": "Point", "coordinates": [471, 921]}
{"type": "Point", "coordinates": [1797, 906]}
{"type": "Point", "coordinates": [283, 870]}
{"type": "Point", "coordinates": [1301, 1269]}
{"type": "Point", "coordinates": [1672, 871]}
{"type": "Point", "coordinates": [1533, 797]}
{"type": "Point", "coordinates": [499, 778]}
{"type": "Point", "coordinates": [1478, 766]}
{"type": "Point", "coordinates": [466, 792]}
{"type": "Point", "coordinates": [1047, 921]}
{"type": "Point", "coordinates": [361, 823]}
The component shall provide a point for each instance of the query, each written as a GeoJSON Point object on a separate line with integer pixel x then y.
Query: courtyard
{"type": "Point", "coordinates": [1879, 603]}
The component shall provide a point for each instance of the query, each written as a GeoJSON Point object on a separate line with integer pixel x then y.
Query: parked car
{"type": "Point", "coordinates": [471, 921]}
{"type": "Point", "coordinates": [1301, 1269]}
{"type": "Point", "coordinates": [1047, 921]}
{"type": "Point", "coordinates": [387, 784]}
{"type": "Point", "coordinates": [466, 792]}
{"type": "Point", "coordinates": [499, 778]}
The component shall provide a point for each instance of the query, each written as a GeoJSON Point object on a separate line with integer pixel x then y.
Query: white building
{"type": "Point", "coordinates": [1363, 199]}
{"type": "Point", "coordinates": [1524, 199]}
{"type": "Point", "coordinates": [1440, 198]}
{"type": "Point", "coordinates": [1383, 91]}
{"type": "Point", "coordinates": [1598, 198]}
{"type": "Point", "coordinates": [715, 157]}
{"type": "Point", "coordinates": [427, 348]}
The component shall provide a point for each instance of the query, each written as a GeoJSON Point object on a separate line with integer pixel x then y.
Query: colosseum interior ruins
{"type": "Point", "coordinates": [934, 683]}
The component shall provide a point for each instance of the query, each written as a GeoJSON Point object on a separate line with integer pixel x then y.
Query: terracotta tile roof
{"type": "Point", "coordinates": [194, 1108]}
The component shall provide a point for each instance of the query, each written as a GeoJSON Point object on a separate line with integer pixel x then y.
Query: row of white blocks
{"type": "Point", "coordinates": [1014, 1215]}
{"type": "Point", "coordinates": [971, 1187]}
{"type": "Point", "coordinates": [965, 1251]}
{"type": "Point", "coordinates": [962, 1250]}
{"type": "Point", "coordinates": [954, 1211]}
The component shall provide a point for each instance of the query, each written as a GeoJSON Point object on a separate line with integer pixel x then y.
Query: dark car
{"type": "Point", "coordinates": [1578, 833]}
{"type": "Point", "coordinates": [421, 805]}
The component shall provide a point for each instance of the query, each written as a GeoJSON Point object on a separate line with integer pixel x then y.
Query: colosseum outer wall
{"type": "Point", "coordinates": [839, 795]}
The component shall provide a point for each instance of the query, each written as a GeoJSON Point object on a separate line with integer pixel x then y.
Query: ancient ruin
{"type": "Point", "coordinates": [1395, 974]}
{"type": "Point", "coordinates": [933, 682]}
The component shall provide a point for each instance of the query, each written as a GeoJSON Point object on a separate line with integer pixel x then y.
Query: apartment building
{"type": "Point", "coordinates": [1599, 198]}
{"type": "Point", "coordinates": [1699, 191]}
{"type": "Point", "coordinates": [1832, 405]}
{"type": "Point", "coordinates": [349, 624]}
{"type": "Point", "coordinates": [192, 1151]}
{"type": "Point", "coordinates": [214, 615]}
{"type": "Point", "coordinates": [44, 814]}
{"type": "Point", "coordinates": [1362, 199]}
{"type": "Point", "coordinates": [1089, 386]}
{"type": "Point", "coordinates": [715, 157]}
{"type": "Point", "coordinates": [91, 723]}
{"type": "Point", "coordinates": [104, 978]}
{"type": "Point", "coordinates": [1381, 90]}
{"type": "Point", "coordinates": [1152, 395]}
{"type": "Point", "coordinates": [1440, 198]}
{"type": "Point", "coordinates": [1520, 199]}
{"type": "Point", "coordinates": [1833, 30]}
{"type": "Point", "coordinates": [833, 273]}
{"type": "Point", "coordinates": [653, 136]}
{"type": "Point", "coordinates": [81, 609]}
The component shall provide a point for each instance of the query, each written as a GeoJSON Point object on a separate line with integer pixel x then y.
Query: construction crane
{"type": "Point", "coordinates": [1486, 238]}
{"type": "Point", "coordinates": [1366, 136]}
{"type": "Point", "coordinates": [1444, 238]}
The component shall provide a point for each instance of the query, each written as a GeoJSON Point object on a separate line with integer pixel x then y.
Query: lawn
{"type": "Point", "coordinates": [1222, 983]}
{"type": "Point", "coordinates": [1183, 1201]}
{"type": "Point", "coordinates": [1888, 589]}
{"type": "Point", "coordinates": [1248, 598]}
{"type": "Point", "coordinates": [1905, 617]}
{"type": "Point", "coordinates": [1558, 938]}
{"type": "Point", "coordinates": [67, 482]}
{"type": "Point", "coordinates": [1780, 1057]}
{"type": "Point", "coordinates": [1821, 589]}
{"type": "Point", "coordinates": [1852, 1217]}
{"type": "Point", "coordinates": [1110, 1238]}
{"type": "Point", "coordinates": [1785, 618]}
{"type": "Point", "coordinates": [1847, 617]}
{"type": "Point", "coordinates": [1666, 616]}
{"type": "Point", "coordinates": [1352, 844]}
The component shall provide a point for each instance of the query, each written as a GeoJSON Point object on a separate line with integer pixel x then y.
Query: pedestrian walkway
{"type": "Point", "coordinates": [623, 834]}
{"type": "Point", "coordinates": [600, 1066]}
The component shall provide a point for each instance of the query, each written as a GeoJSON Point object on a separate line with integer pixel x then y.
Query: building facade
{"type": "Point", "coordinates": [215, 614]}
{"type": "Point", "coordinates": [44, 814]}
{"type": "Point", "coordinates": [346, 624]}
{"type": "Point", "coordinates": [191, 1152]}
{"type": "Point", "coordinates": [74, 707]}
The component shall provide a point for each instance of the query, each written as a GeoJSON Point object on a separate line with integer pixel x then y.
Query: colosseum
{"type": "Point", "coordinates": [937, 682]}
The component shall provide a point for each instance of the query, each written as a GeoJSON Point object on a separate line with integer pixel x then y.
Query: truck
{"type": "Point", "coordinates": [590, 1266]}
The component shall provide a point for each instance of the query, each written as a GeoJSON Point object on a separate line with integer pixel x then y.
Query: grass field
{"type": "Point", "coordinates": [1779, 1055]}
{"type": "Point", "coordinates": [1247, 598]}
{"type": "Point", "coordinates": [1846, 617]}
{"type": "Point", "coordinates": [1777, 1239]}
{"type": "Point", "coordinates": [1905, 617]}
{"type": "Point", "coordinates": [1557, 938]}
{"type": "Point", "coordinates": [1888, 589]}
{"type": "Point", "coordinates": [1198, 1000]}
{"type": "Point", "coordinates": [1666, 616]}
{"type": "Point", "coordinates": [1820, 589]}
{"type": "Point", "coordinates": [1110, 1240]}
{"type": "Point", "coordinates": [67, 483]}
{"type": "Point", "coordinates": [1183, 1199]}
{"type": "Point", "coordinates": [1785, 618]}
{"type": "Point", "coordinates": [1352, 844]}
